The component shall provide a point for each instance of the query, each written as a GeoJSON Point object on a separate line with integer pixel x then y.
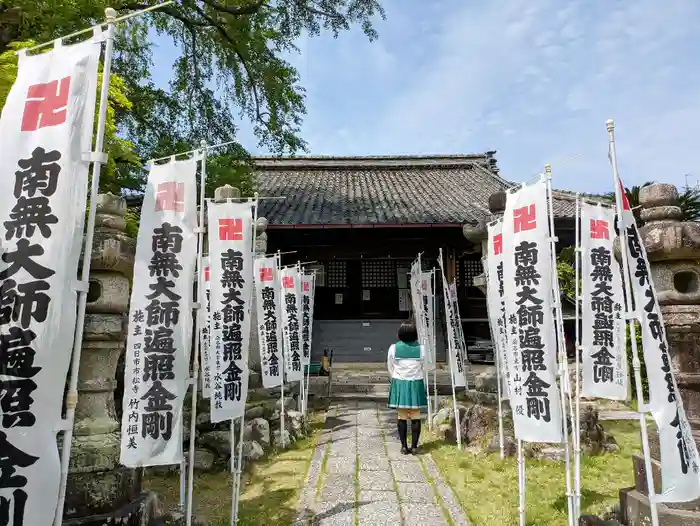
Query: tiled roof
{"type": "Point", "coordinates": [383, 190]}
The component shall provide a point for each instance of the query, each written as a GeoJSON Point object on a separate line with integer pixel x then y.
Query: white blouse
{"type": "Point", "coordinates": [405, 369]}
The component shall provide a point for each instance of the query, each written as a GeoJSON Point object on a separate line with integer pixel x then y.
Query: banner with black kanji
{"type": "Point", "coordinates": [45, 129]}
{"type": "Point", "coordinates": [158, 343]}
{"type": "Point", "coordinates": [527, 288]}
{"type": "Point", "coordinates": [290, 285]}
{"type": "Point", "coordinates": [231, 277]}
{"type": "Point", "coordinates": [268, 302]}
{"type": "Point", "coordinates": [603, 325]}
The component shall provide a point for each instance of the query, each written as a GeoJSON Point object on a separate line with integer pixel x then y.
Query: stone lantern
{"type": "Point", "coordinates": [99, 489]}
{"type": "Point", "coordinates": [673, 247]}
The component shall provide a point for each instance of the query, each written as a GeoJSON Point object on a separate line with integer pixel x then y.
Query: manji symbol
{"type": "Point", "coordinates": [170, 197]}
{"type": "Point", "coordinates": [47, 105]}
{"type": "Point", "coordinates": [599, 229]}
{"type": "Point", "coordinates": [307, 288]}
{"type": "Point", "coordinates": [206, 273]}
{"type": "Point", "coordinates": [265, 274]}
{"type": "Point", "coordinates": [231, 229]}
{"type": "Point", "coordinates": [498, 244]}
{"type": "Point", "coordinates": [524, 219]}
{"type": "Point", "coordinates": [287, 282]}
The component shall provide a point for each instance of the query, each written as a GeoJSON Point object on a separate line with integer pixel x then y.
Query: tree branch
{"type": "Point", "coordinates": [249, 9]}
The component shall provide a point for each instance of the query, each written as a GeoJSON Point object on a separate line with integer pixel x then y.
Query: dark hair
{"type": "Point", "coordinates": [408, 332]}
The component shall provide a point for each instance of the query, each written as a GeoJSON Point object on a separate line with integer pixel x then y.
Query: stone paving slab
{"type": "Point", "coordinates": [366, 479]}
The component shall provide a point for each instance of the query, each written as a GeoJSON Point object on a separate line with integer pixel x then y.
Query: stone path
{"type": "Point", "coordinates": [359, 476]}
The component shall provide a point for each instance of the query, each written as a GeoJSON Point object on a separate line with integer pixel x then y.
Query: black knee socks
{"type": "Point", "coordinates": [403, 432]}
{"type": "Point", "coordinates": [415, 433]}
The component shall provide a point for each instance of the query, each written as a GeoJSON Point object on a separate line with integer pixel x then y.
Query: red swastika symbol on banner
{"type": "Point", "coordinates": [265, 274]}
{"type": "Point", "coordinates": [46, 105]}
{"type": "Point", "coordinates": [307, 287]}
{"type": "Point", "coordinates": [497, 244]}
{"type": "Point", "coordinates": [231, 229]}
{"type": "Point", "coordinates": [625, 201]}
{"type": "Point", "coordinates": [287, 282]}
{"type": "Point", "coordinates": [599, 229]}
{"type": "Point", "coordinates": [206, 273]}
{"type": "Point", "coordinates": [524, 219]}
{"type": "Point", "coordinates": [170, 197]}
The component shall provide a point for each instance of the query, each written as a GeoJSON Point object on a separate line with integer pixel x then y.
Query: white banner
{"type": "Point", "coordinates": [604, 357]}
{"type": "Point", "coordinates": [205, 329]}
{"type": "Point", "coordinates": [231, 271]}
{"type": "Point", "coordinates": [459, 328]}
{"type": "Point", "coordinates": [418, 307]}
{"type": "Point", "coordinates": [454, 354]}
{"type": "Point", "coordinates": [527, 286]}
{"type": "Point", "coordinates": [428, 298]}
{"type": "Point", "coordinates": [680, 466]}
{"type": "Point", "coordinates": [160, 318]}
{"type": "Point", "coordinates": [496, 302]}
{"type": "Point", "coordinates": [308, 289]}
{"type": "Point", "coordinates": [46, 126]}
{"type": "Point", "coordinates": [291, 311]}
{"type": "Point", "coordinates": [269, 327]}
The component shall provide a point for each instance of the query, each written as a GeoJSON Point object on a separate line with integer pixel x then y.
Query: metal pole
{"type": "Point", "coordinates": [577, 346]}
{"type": "Point", "coordinates": [563, 365]}
{"type": "Point", "coordinates": [434, 342]}
{"type": "Point", "coordinates": [425, 348]}
{"type": "Point", "coordinates": [197, 329]}
{"type": "Point", "coordinates": [631, 317]}
{"type": "Point", "coordinates": [72, 396]}
{"type": "Point", "coordinates": [300, 290]}
{"type": "Point", "coordinates": [521, 484]}
{"type": "Point", "coordinates": [283, 365]}
{"type": "Point", "coordinates": [237, 473]}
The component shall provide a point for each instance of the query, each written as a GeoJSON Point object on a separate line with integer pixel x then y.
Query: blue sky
{"type": "Point", "coordinates": [535, 80]}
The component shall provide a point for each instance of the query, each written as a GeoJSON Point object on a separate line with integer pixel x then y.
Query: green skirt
{"type": "Point", "coordinates": [407, 394]}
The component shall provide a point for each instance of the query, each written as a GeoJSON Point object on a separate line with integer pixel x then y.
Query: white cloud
{"type": "Point", "coordinates": [533, 79]}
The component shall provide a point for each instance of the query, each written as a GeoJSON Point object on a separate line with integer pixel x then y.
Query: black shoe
{"type": "Point", "coordinates": [414, 451]}
{"type": "Point", "coordinates": [405, 451]}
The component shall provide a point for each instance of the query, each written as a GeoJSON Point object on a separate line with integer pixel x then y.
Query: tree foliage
{"type": "Point", "coordinates": [230, 67]}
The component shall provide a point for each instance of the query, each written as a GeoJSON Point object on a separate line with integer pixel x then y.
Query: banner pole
{"type": "Point", "coordinates": [100, 159]}
{"type": "Point", "coordinates": [434, 343]}
{"type": "Point", "coordinates": [577, 346]}
{"type": "Point", "coordinates": [426, 348]}
{"type": "Point", "coordinates": [279, 266]}
{"type": "Point", "coordinates": [300, 300]}
{"type": "Point", "coordinates": [521, 484]}
{"type": "Point", "coordinates": [631, 317]}
{"type": "Point", "coordinates": [239, 462]}
{"type": "Point", "coordinates": [197, 330]}
{"type": "Point", "coordinates": [563, 362]}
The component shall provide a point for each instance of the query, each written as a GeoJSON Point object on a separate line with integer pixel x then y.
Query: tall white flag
{"type": "Point", "coordinates": [454, 352]}
{"type": "Point", "coordinates": [205, 330]}
{"type": "Point", "coordinates": [604, 363]}
{"type": "Point", "coordinates": [290, 284]}
{"type": "Point", "coordinates": [308, 289]}
{"type": "Point", "coordinates": [160, 320]}
{"type": "Point", "coordinates": [231, 271]}
{"type": "Point", "coordinates": [427, 299]}
{"type": "Point", "coordinates": [496, 301]}
{"type": "Point", "coordinates": [46, 126]}
{"type": "Point", "coordinates": [527, 285]}
{"type": "Point", "coordinates": [268, 300]}
{"type": "Point", "coordinates": [680, 465]}
{"type": "Point", "coordinates": [418, 307]}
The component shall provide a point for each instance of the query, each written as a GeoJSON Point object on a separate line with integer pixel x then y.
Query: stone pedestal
{"type": "Point", "coordinates": [673, 248]}
{"type": "Point", "coordinates": [98, 488]}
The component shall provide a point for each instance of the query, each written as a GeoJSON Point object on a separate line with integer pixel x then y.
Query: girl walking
{"type": "Point", "coordinates": [407, 395]}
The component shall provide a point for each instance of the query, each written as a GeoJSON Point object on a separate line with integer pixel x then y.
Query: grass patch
{"type": "Point", "coordinates": [271, 487]}
{"type": "Point", "coordinates": [474, 476]}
